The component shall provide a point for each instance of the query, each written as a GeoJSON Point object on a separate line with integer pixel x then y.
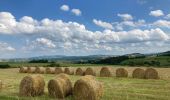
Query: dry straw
{"type": "Point", "coordinates": [40, 70]}
{"type": "Point", "coordinates": [87, 88]}
{"type": "Point", "coordinates": [151, 73]}
{"type": "Point", "coordinates": [58, 70]}
{"type": "Point", "coordinates": [23, 69]}
{"type": "Point", "coordinates": [60, 87]}
{"type": "Point", "coordinates": [121, 72]}
{"type": "Point", "coordinates": [138, 73]}
{"type": "Point", "coordinates": [90, 71]}
{"type": "Point", "coordinates": [49, 70]}
{"type": "Point", "coordinates": [32, 86]}
{"type": "Point", "coordinates": [30, 69]}
{"type": "Point", "coordinates": [80, 71]}
{"type": "Point", "coordinates": [69, 71]}
{"type": "Point", "coordinates": [106, 72]}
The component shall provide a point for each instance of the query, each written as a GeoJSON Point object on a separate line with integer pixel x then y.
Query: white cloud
{"type": "Point", "coordinates": [129, 24]}
{"type": "Point", "coordinates": [125, 16]}
{"type": "Point", "coordinates": [102, 24]}
{"type": "Point", "coordinates": [167, 16]}
{"type": "Point", "coordinates": [6, 47]}
{"type": "Point", "coordinates": [77, 12]}
{"type": "Point", "coordinates": [45, 42]}
{"type": "Point", "coordinates": [162, 23]}
{"type": "Point", "coordinates": [74, 36]}
{"type": "Point", "coordinates": [65, 8]}
{"type": "Point", "coordinates": [156, 13]}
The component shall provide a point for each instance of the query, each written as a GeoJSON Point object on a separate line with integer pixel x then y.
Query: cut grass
{"type": "Point", "coordinates": [114, 88]}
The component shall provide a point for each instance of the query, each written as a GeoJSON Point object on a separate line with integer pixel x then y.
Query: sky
{"type": "Point", "coordinates": [30, 28]}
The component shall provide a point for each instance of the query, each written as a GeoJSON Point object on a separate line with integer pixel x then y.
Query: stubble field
{"type": "Point", "coordinates": [114, 88]}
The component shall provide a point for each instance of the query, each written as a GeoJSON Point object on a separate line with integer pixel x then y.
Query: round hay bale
{"type": "Point", "coordinates": [151, 73]}
{"type": "Point", "coordinates": [40, 70]}
{"type": "Point", "coordinates": [23, 69]}
{"type": "Point", "coordinates": [60, 86]}
{"type": "Point", "coordinates": [80, 71]}
{"type": "Point", "coordinates": [58, 70]}
{"type": "Point", "coordinates": [90, 71]}
{"type": "Point", "coordinates": [0, 84]}
{"type": "Point", "coordinates": [30, 69]}
{"type": "Point", "coordinates": [49, 70]}
{"type": "Point", "coordinates": [32, 86]}
{"type": "Point", "coordinates": [87, 88]}
{"type": "Point", "coordinates": [121, 72]}
{"type": "Point", "coordinates": [106, 72]}
{"type": "Point", "coordinates": [69, 71]}
{"type": "Point", "coordinates": [138, 73]}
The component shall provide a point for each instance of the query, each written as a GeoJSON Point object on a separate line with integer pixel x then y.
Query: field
{"type": "Point", "coordinates": [114, 88]}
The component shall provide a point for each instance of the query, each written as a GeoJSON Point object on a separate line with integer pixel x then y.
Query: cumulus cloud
{"type": "Point", "coordinates": [156, 13]}
{"type": "Point", "coordinates": [65, 8]}
{"type": "Point", "coordinates": [45, 42]}
{"type": "Point", "coordinates": [167, 16]}
{"type": "Point", "coordinates": [162, 23]}
{"type": "Point", "coordinates": [129, 24]}
{"type": "Point", "coordinates": [125, 16]}
{"type": "Point", "coordinates": [6, 47]}
{"type": "Point", "coordinates": [76, 12]}
{"type": "Point", "coordinates": [102, 24]}
{"type": "Point", "coordinates": [58, 34]}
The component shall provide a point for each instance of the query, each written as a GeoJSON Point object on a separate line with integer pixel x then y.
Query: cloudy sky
{"type": "Point", "coordinates": [83, 27]}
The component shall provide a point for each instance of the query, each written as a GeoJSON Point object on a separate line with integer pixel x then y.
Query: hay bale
{"type": "Point", "coordinates": [40, 70]}
{"type": "Point", "coordinates": [106, 72]}
{"type": "Point", "coordinates": [58, 70]}
{"type": "Point", "coordinates": [30, 69]}
{"type": "Point", "coordinates": [60, 86]}
{"type": "Point", "coordinates": [121, 72]}
{"type": "Point", "coordinates": [87, 88]}
{"type": "Point", "coordinates": [69, 71]}
{"type": "Point", "coordinates": [49, 70]}
{"type": "Point", "coordinates": [32, 86]}
{"type": "Point", "coordinates": [151, 73]}
{"type": "Point", "coordinates": [0, 84]}
{"type": "Point", "coordinates": [90, 71]}
{"type": "Point", "coordinates": [23, 69]}
{"type": "Point", "coordinates": [138, 73]}
{"type": "Point", "coordinates": [80, 71]}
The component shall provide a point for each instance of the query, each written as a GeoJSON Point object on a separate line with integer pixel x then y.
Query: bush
{"type": "Point", "coordinates": [38, 61]}
{"type": "Point", "coordinates": [54, 65]}
{"type": "Point", "coordinates": [5, 66]}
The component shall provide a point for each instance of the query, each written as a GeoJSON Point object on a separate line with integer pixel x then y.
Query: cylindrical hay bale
{"type": "Point", "coordinates": [138, 73]}
{"type": "Point", "coordinates": [87, 88]}
{"type": "Point", "coordinates": [30, 69]}
{"type": "Point", "coordinates": [0, 84]}
{"type": "Point", "coordinates": [23, 69]}
{"type": "Point", "coordinates": [60, 87]}
{"type": "Point", "coordinates": [151, 73]}
{"type": "Point", "coordinates": [80, 71]}
{"type": "Point", "coordinates": [121, 72]}
{"type": "Point", "coordinates": [40, 70]}
{"type": "Point", "coordinates": [58, 70]}
{"type": "Point", "coordinates": [106, 72]}
{"type": "Point", "coordinates": [90, 71]}
{"type": "Point", "coordinates": [49, 70]}
{"type": "Point", "coordinates": [69, 71]}
{"type": "Point", "coordinates": [32, 86]}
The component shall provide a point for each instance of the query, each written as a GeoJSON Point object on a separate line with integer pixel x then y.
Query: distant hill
{"type": "Point", "coordinates": [133, 59]}
{"type": "Point", "coordinates": [58, 58]}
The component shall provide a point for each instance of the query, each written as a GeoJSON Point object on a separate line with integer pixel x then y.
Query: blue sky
{"type": "Point", "coordinates": [83, 27]}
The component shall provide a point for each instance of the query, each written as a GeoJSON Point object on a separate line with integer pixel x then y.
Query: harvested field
{"type": "Point", "coordinates": [114, 88]}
